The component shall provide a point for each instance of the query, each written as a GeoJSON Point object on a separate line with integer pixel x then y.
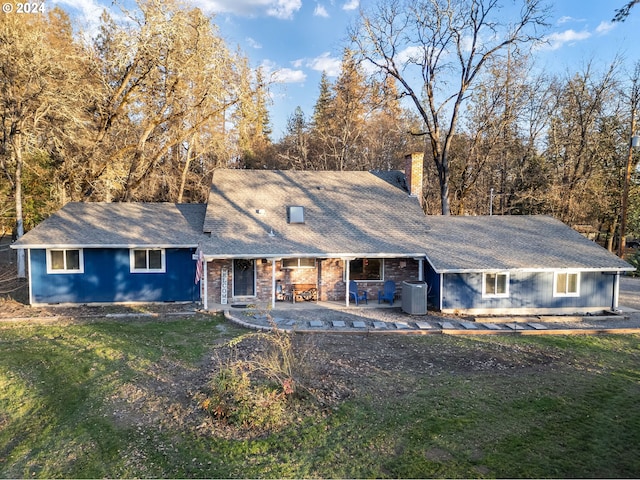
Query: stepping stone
{"type": "Point", "coordinates": [537, 326]}
{"type": "Point", "coordinates": [379, 325]}
{"type": "Point", "coordinates": [257, 316]}
{"type": "Point", "coordinates": [492, 326]}
{"type": "Point", "coordinates": [402, 325]}
{"type": "Point", "coordinates": [339, 323]}
{"type": "Point", "coordinates": [278, 319]}
{"type": "Point", "coordinates": [469, 325]}
{"type": "Point", "coordinates": [359, 324]}
{"type": "Point", "coordinates": [290, 323]}
{"type": "Point", "coordinates": [424, 325]}
{"type": "Point", "coordinates": [446, 325]}
{"type": "Point", "coordinates": [514, 326]}
{"type": "Point", "coordinates": [316, 323]}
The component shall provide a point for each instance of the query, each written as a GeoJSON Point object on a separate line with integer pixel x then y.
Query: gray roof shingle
{"type": "Point", "coordinates": [346, 213]}
{"type": "Point", "coordinates": [118, 225]}
{"type": "Point", "coordinates": [537, 242]}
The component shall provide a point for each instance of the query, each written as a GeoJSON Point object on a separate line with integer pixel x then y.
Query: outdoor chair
{"type": "Point", "coordinates": [355, 294]}
{"type": "Point", "coordinates": [281, 294]}
{"type": "Point", "coordinates": [388, 294]}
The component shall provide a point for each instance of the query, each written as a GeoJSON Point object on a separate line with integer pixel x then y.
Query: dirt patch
{"type": "Point", "coordinates": [330, 370]}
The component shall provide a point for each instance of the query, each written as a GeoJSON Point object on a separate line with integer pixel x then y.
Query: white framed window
{"type": "Point", "coordinates": [363, 269]}
{"type": "Point", "coordinates": [290, 263]}
{"type": "Point", "coordinates": [495, 285]}
{"type": "Point", "coordinates": [69, 260]}
{"type": "Point", "coordinates": [566, 284]}
{"type": "Point", "coordinates": [147, 260]}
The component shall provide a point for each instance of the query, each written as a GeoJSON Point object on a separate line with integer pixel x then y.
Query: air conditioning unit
{"type": "Point", "coordinates": [414, 298]}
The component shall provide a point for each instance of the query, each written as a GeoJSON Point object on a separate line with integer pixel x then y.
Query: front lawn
{"type": "Point", "coordinates": [121, 398]}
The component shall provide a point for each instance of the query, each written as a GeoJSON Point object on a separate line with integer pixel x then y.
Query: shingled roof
{"type": "Point", "coordinates": [467, 244]}
{"type": "Point", "coordinates": [118, 225]}
{"type": "Point", "coordinates": [345, 214]}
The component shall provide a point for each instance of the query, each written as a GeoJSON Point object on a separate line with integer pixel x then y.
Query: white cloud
{"type": "Point", "coordinates": [253, 43]}
{"type": "Point", "coordinates": [325, 63]}
{"type": "Point", "coordinates": [351, 5]}
{"type": "Point", "coordinates": [89, 12]}
{"type": "Point", "coordinates": [559, 39]}
{"type": "Point", "coordinates": [568, 19]}
{"type": "Point", "coordinates": [320, 11]}
{"type": "Point", "coordinates": [288, 75]}
{"type": "Point", "coordinates": [605, 27]}
{"type": "Point", "coordinates": [411, 54]}
{"type": "Point", "coordinates": [282, 75]}
{"type": "Point", "coordinates": [284, 9]}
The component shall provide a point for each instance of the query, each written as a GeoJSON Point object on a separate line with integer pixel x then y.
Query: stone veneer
{"type": "Point", "coordinates": [328, 276]}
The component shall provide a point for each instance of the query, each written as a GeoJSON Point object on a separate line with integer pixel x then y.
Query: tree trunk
{"type": "Point", "coordinates": [17, 152]}
{"type": "Point", "coordinates": [185, 170]}
{"type": "Point", "coordinates": [443, 174]}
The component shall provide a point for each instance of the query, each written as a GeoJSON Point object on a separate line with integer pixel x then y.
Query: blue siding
{"type": "Point", "coordinates": [527, 290]}
{"type": "Point", "coordinates": [433, 282]}
{"type": "Point", "coordinates": [106, 278]}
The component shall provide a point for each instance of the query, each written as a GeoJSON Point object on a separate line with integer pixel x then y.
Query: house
{"type": "Point", "coordinates": [114, 252]}
{"type": "Point", "coordinates": [517, 265]}
{"type": "Point", "coordinates": [273, 230]}
{"type": "Point", "coordinates": [302, 235]}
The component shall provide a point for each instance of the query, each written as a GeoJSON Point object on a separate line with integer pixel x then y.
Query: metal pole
{"type": "Point", "coordinates": [491, 203]}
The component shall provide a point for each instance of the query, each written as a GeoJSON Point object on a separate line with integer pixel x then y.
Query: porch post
{"type": "Point", "coordinates": [616, 292]}
{"type": "Point", "coordinates": [420, 269]}
{"type": "Point", "coordinates": [273, 283]}
{"type": "Point", "coordinates": [205, 301]}
{"type": "Point", "coordinates": [29, 278]}
{"type": "Point", "coordinates": [346, 276]}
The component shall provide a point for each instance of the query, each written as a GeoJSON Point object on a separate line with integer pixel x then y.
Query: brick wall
{"type": "Point", "coordinates": [413, 172]}
{"type": "Point", "coordinates": [328, 276]}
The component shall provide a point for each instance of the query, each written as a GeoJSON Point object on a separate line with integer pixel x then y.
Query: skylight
{"type": "Point", "coordinates": [295, 214]}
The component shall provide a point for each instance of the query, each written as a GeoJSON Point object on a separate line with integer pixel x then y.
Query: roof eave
{"type": "Point", "coordinates": [46, 246]}
{"type": "Point", "coordinates": [533, 270]}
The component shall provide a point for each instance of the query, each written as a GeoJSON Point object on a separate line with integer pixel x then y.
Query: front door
{"type": "Point", "coordinates": [244, 278]}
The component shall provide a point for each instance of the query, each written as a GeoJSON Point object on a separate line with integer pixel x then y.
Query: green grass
{"type": "Point", "coordinates": [557, 407]}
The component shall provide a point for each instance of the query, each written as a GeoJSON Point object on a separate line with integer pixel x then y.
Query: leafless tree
{"type": "Point", "coordinates": [436, 49]}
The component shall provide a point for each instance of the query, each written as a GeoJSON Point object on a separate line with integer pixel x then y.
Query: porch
{"type": "Point", "coordinates": [322, 283]}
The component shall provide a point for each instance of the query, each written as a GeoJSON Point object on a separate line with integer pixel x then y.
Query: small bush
{"type": "Point", "coordinates": [253, 392]}
{"type": "Point", "coordinates": [238, 400]}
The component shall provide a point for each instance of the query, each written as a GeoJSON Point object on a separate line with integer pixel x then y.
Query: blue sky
{"type": "Point", "coordinates": [296, 40]}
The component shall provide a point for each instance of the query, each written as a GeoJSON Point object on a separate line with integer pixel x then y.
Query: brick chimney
{"type": "Point", "coordinates": [413, 165]}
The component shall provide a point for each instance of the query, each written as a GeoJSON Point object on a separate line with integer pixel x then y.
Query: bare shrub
{"type": "Point", "coordinates": [253, 387]}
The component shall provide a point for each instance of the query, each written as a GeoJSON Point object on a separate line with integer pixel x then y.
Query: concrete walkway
{"type": "Point", "coordinates": [394, 321]}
